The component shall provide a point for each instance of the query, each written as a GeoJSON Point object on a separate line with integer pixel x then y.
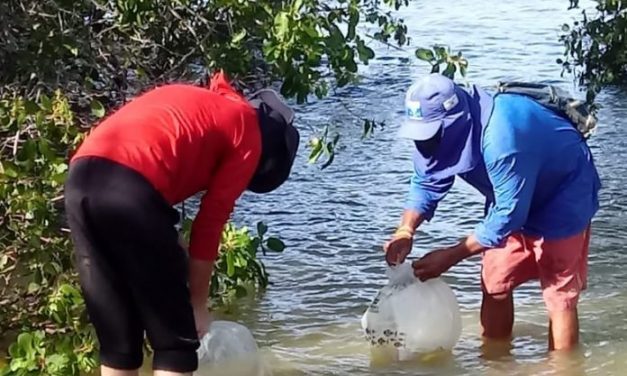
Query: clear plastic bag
{"type": "Point", "coordinates": [229, 348]}
{"type": "Point", "coordinates": [410, 318]}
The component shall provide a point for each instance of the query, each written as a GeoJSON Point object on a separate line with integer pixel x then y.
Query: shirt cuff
{"type": "Point", "coordinates": [488, 238]}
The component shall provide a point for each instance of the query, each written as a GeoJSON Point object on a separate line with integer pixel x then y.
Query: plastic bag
{"type": "Point", "coordinates": [410, 317]}
{"type": "Point", "coordinates": [229, 348]}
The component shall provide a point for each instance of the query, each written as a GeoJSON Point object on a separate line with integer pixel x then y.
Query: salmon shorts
{"type": "Point", "coordinates": [560, 265]}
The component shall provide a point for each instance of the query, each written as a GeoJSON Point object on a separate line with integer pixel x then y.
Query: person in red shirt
{"type": "Point", "coordinates": [161, 148]}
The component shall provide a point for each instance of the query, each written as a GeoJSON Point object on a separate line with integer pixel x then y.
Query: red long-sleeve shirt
{"type": "Point", "coordinates": [185, 139]}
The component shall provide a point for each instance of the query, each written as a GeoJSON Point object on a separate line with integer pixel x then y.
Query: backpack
{"type": "Point", "coordinates": [555, 99]}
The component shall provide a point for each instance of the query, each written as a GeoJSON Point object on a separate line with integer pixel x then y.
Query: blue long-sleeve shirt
{"type": "Point", "coordinates": [537, 175]}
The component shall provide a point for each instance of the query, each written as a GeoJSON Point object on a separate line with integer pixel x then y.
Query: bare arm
{"type": "Point", "coordinates": [410, 221]}
{"type": "Point", "coordinates": [200, 272]}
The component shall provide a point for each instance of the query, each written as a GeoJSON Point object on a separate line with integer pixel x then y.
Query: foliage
{"type": "Point", "coordinates": [36, 136]}
{"type": "Point", "coordinates": [103, 51]}
{"type": "Point", "coordinates": [596, 47]}
{"type": "Point", "coordinates": [38, 290]}
{"type": "Point", "coordinates": [65, 347]}
{"type": "Point", "coordinates": [238, 271]}
{"type": "Point", "coordinates": [112, 47]}
{"type": "Point", "coordinates": [441, 55]}
{"type": "Point", "coordinates": [324, 145]}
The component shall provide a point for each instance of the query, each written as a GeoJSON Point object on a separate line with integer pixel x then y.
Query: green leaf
{"type": "Point", "coordinates": [262, 229]}
{"type": "Point", "coordinates": [239, 37]}
{"type": "Point", "coordinates": [73, 50]}
{"type": "Point", "coordinates": [15, 351]}
{"type": "Point", "coordinates": [25, 342]}
{"type": "Point", "coordinates": [31, 107]}
{"type": "Point", "coordinates": [281, 22]}
{"type": "Point", "coordinates": [44, 149]}
{"type": "Point", "coordinates": [450, 71]}
{"type": "Point", "coordinates": [335, 40]}
{"type": "Point", "coordinates": [29, 151]}
{"type": "Point", "coordinates": [32, 287]}
{"type": "Point", "coordinates": [316, 149]}
{"type": "Point", "coordinates": [46, 103]}
{"type": "Point", "coordinates": [368, 126]}
{"type": "Point", "coordinates": [97, 109]}
{"type": "Point", "coordinates": [242, 262]}
{"type": "Point", "coordinates": [58, 363]}
{"type": "Point", "coordinates": [297, 5]}
{"type": "Point", "coordinates": [463, 70]}
{"type": "Point", "coordinates": [351, 66]}
{"type": "Point", "coordinates": [8, 169]}
{"type": "Point", "coordinates": [275, 244]}
{"type": "Point", "coordinates": [230, 264]}
{"type": "Point", "coordinates": [440, 52]}
{"type": "Point", "coordinates": [329, 161]}
{"type": "Point", "coordinates": [60, 168]}
{"type": "Point", "coordinates": [365, 53]}
{"type": "Point", "coordinates": [425, 54]}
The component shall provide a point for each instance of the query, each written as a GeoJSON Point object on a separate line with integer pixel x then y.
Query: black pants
{"type": "Point", "coordinates": [133, 273]}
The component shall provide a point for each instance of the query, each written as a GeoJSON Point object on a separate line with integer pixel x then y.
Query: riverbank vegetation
{"type": "Point", "coordinates": [596, 46]}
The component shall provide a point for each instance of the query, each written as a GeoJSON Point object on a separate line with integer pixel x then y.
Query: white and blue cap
{"type": "Point", "coordinates": [432, 103]}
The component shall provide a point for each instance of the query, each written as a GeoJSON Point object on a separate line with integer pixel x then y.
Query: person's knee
{"type": "Point", "coordinates": [561, 300]}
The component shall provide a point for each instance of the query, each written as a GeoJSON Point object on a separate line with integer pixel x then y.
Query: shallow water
{"type": "Point", "coordinates": [335, 221]}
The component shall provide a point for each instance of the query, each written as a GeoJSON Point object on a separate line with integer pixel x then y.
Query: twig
{"type": "Point", "coordinates": [106, 30]}
{"type": "Point", "coordinates": [15, 142]}
{"type": "Point", "coordinates": [58, 198]}
{"type": "Point", "coordinates": [386, 43]}
{"type": "Point", "coordinates": [183, 60]}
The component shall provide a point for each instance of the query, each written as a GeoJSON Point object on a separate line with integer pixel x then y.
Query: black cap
{"type": "Point", "coordinates": [279, 141]}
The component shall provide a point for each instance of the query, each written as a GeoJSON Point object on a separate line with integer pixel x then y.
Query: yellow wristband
{"type": "Point", "coordinates": [407, 229]}
{"type": "Point", "coordinates": [404, 233]}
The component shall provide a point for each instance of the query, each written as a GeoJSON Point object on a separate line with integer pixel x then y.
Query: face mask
{"type": "Point", "coordinates": [429, 147]}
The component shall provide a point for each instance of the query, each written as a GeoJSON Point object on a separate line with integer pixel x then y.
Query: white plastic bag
{"type": "Point", "coordinates": [410, 317]}
{"type": "Point", "coordinates": [229, 348]}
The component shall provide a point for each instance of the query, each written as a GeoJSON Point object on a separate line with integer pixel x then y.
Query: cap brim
{"type": "Point", "coordinates": [274, 101]}
{"type": "Point", "coordinates": [419, 130]}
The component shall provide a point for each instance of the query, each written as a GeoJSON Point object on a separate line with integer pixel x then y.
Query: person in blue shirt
{"type": "Point", "coordinates": [541, 192]}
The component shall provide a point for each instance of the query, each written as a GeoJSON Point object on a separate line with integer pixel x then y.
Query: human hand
{"type": "Point", "coordinates": [399, 247]}
{"type": "Point", "coordinates": [433, 264]}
